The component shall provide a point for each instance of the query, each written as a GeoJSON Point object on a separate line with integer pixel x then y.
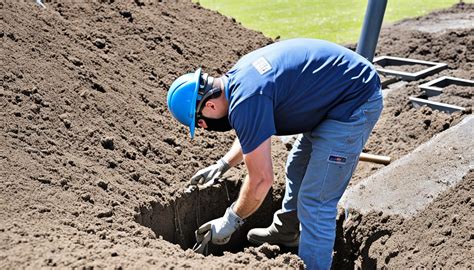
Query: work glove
{"type": "Point", "coordinates": [210, 174]}
{"type": "Point", "coordinates": [221, 228]}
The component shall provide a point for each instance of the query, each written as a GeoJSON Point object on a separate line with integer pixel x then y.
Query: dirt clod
{"type": "Point", "coordinates": [107, 143]}
{"type": "Point", "coordinates": [99, 43]}
{"type": "Point", "coordinates": [103, 184]}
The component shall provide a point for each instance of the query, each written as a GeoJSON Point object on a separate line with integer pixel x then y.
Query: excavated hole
{"type": "Point", "coordinates": [177, 220]}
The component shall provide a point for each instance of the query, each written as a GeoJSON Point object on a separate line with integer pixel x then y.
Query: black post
{"type": "Point", "coordinates": [371, 28]}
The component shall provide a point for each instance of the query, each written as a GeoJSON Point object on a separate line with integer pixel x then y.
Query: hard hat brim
{"type": "Point", "coordinates": [196, 78]}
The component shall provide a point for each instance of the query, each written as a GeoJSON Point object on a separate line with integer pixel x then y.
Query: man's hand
{"type": "Point", "coordinates": [210, 174]}
{"type": "Point", "coordinates": [222, 228]}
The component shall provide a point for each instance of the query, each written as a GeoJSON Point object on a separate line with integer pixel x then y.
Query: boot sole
{"type": "Point", "coordinates": [286, 244]}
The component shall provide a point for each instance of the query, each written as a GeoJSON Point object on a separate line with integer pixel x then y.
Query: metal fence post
{"type": "Point", "coordinates": [371, 28]}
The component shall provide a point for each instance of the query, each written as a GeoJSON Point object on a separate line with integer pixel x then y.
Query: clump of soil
{"type": "Point", "coordinates": [456, 95]}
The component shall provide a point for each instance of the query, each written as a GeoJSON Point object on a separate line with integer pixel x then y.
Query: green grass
{"type": "Point", "coordinates": [335, 20]}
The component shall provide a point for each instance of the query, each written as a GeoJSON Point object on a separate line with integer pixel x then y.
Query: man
{"type": "Point", "coordinates": [328, 94]}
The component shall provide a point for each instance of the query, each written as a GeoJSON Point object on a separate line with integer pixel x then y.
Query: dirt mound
{"type": "Point", "coordinates": [439, 237]}
{"type": "Point", "coordinates": [92, 168]}
{"type": "Point", "coordinates": [87, 140]}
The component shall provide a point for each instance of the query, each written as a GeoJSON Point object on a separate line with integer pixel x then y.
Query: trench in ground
{"type": "Point", "coordinates": [176, 221]}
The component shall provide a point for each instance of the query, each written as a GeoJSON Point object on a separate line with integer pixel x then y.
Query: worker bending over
{"type": "Point", "coordinates": [328, 94]}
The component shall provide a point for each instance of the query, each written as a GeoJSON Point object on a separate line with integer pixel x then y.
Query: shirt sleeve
{"type": "Point", "coordinates": [253, 121]}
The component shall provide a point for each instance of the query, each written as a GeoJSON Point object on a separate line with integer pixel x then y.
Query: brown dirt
{"type": "Point", "coordinates": [454, 46]}
{"type": "Point", "coordinates": [87, 142]}
{"type": "Point", "coordinates": [88, 152]}
{"type": "Point", "coordinates": [456, 95]}
{"type": "Point", "coordinates": [442, 21]}
{"type": "Point", "coordinates": [440, 237]}
{"type": "Point", "coordinates": [412, 68]}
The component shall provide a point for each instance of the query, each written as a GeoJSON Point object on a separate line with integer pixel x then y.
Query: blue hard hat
{"type": "Point", "coordinates": [182, 97]}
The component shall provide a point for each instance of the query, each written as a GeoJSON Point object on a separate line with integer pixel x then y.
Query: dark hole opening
{"type": "Point", "coordinates": [177, 220]}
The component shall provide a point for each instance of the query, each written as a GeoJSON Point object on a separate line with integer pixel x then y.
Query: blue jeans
{"type": "Point", "coordinates": [318, 171]}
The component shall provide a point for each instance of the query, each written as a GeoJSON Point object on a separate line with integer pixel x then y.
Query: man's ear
{"type": "Point", "coordinates": [211, 104]}
{"type": "Point", "coordinates": [202, 123]}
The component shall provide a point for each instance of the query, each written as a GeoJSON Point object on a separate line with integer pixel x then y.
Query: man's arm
{"type": "Point", "coordinates": [234, 157]}
{"type": "Point", "coordinates": [258, 181]}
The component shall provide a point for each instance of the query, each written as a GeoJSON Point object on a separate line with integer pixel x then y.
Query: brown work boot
{"type": "Point", "coordinates": [284, 230]}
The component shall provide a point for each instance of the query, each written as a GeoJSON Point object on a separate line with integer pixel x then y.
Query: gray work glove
{"type": "Point", "coordinates": [221, 228]}
{"type": "Point", "coordinates": [210, 174]}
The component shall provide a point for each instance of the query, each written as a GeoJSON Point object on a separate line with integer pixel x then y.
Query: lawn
{"type": "Point", "coordinates": [335, 20]}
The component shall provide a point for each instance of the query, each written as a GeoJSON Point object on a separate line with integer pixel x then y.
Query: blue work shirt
{"type": "Point", "coordinates": [290, 86]}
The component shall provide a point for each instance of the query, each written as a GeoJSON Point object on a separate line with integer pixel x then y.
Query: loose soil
{"type": "Point", "coordinates": [440, 237]}
{"type": "Point", "coordinates": [411, 68]}
{"type": "Point", "coordinates": [92, 165]}
{"type": "Point", "coordinates": [441, 21]}
{"type": "Point", "coordinates": [456, 95]}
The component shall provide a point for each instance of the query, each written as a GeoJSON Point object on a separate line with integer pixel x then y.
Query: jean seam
{"type": "Point", "coordinates": [320, 195]}
{"type": "Point", "coordinates": [324, 183]}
